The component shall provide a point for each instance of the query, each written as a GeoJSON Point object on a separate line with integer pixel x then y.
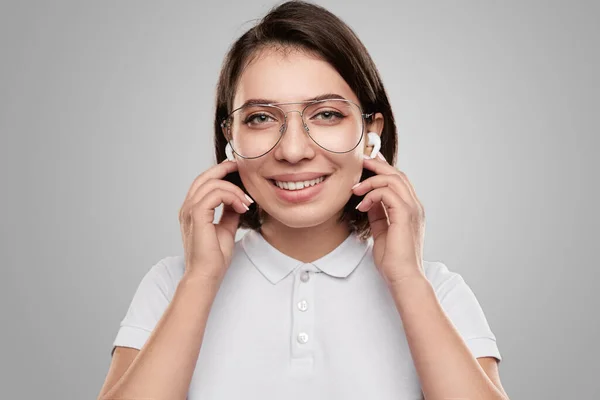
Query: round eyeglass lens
{"type": "Point", "coordinates": [335, 125]}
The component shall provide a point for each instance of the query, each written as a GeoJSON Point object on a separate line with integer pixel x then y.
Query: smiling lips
{"type": "Point", "coordinates": [290, 185]}
{"type": "Point", "coordinates": [298, 181]}
{"type": "Point", "coordinates": [297, 188]}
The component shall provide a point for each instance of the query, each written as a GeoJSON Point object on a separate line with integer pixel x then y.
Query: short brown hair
{"type": "Point", "coordinates": [309, 27]}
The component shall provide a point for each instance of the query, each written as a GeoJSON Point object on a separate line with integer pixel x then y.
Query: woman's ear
{"type": "Point", "coordinates": [374, 127]}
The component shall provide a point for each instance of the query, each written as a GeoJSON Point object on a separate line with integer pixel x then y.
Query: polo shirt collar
{"type": "Point", "coordinates": [275, 265]}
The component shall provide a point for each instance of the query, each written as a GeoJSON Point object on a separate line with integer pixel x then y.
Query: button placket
{"type": "Point", "coordinates": [303, 314]}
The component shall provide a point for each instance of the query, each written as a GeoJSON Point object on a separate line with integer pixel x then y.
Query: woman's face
{"type": "Point", "coordinates": [295, 77]}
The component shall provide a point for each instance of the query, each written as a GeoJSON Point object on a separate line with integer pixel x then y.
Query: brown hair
{"type": "Point", "coordinates": [309, 27]}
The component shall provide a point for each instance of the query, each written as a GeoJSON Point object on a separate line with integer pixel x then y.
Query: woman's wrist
{"type": "Point", "coordinates": [199, 281]}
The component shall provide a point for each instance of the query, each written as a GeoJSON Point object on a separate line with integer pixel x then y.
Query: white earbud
{"type": "Point", "coordinates": [374, 140]}
{"type": "Point", "coordinates": [229, 152]}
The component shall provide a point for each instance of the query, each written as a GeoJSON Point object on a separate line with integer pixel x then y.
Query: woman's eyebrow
{"type": "Point", "coordinates": [268, 101]}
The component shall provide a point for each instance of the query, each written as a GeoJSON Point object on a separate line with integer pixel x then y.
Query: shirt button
{"type": "Point", "coordinates": [305, 276]}
{"type": "Point", "coordinates": [303, 305]}
{"type": "Point", "coordinates": [302, 337]}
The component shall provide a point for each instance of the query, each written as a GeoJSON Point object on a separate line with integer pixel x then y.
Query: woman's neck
{"type": "Point", "coordinates": [305, 244]}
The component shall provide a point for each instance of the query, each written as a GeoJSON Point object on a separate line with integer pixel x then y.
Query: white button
{"type": "Point", "coordinates": [303, 305]}
{"type": "Point", "coordinates": [302, 337]}
{"type": "Point", "coordinates": [305, 276]}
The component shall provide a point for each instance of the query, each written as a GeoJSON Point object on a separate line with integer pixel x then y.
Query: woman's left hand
{"type": "Point", "coordinates": [397, 220]}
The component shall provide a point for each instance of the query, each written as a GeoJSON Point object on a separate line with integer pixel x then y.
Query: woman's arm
{"type": "Point", "coordinates": [445, 365]}
{"type": "Point", "coordinates": [164, 367]}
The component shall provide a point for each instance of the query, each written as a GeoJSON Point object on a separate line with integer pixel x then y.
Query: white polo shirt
{"type": "Point", "coordinates": [283, 329]}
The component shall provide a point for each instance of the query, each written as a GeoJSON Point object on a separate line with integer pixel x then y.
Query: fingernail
{"type": "Point", "coordinates": [357, 185]}
{"type": "Point", "coordinates": [249, 198]}
{"type": "Point", "coordinates": [381, 157]}
{"type": "Point", "coordinates": [247, 208]}
{"type": "Point", "coordinates": [356, 208]}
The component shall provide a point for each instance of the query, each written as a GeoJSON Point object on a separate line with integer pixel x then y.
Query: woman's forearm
{"type": "Point", "coordinates": [164, 367]}
{"type": "Point", "coordinates": [444, 363]}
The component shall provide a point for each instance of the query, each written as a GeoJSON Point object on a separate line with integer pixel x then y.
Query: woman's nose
{"type": "Point", "coordinates": [295, 143]}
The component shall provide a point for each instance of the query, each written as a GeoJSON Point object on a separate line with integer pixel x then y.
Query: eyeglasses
{"type": "Point", "coordinates": [336, 125]}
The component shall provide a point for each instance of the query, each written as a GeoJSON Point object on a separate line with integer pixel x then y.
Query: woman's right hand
{"type": "Point", "coordinates": [208, 247]}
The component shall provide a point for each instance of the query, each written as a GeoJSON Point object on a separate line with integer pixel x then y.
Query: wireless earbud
{"type": "Point", "coordinates": [374, 140]}
{"type": "Point", "coordinates": [229, 152]}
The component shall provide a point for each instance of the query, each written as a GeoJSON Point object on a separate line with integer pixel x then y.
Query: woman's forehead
{"type": "Point", "coordinates": [289, 77]}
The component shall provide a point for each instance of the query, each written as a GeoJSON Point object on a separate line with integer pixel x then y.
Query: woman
{"type": "Point", "coordinates": [324, 297]}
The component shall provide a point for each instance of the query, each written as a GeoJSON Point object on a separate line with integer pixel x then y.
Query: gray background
{"type": "Point", "coordinates": [106, 117]}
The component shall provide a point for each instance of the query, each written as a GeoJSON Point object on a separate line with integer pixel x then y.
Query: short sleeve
{"type": "Point", "coordinates": [149, 302]}
{"type": "Point", "coordinates": [462, 307]}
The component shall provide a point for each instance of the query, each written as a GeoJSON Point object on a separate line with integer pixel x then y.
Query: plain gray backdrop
{"type": "Point", "coordinates": [106, 118]}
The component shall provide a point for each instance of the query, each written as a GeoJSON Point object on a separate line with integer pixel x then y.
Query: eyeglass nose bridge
{"type": "Point", "coordinates": [283, 127]}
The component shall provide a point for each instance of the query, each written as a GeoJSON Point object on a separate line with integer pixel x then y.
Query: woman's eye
{"type": "Point", "coordinates": [328, 115]}
{"type": "Point", "coordinates": [258, 118]}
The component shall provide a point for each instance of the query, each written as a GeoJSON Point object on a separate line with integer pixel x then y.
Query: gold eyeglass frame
{"type": "Point", "coordinates": [283, 127]}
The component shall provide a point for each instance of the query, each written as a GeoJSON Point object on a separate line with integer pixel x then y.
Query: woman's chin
{"type": "Point", "coordinates": [298, 223]}
{"type": "Point", "coordinates": [304, 217]}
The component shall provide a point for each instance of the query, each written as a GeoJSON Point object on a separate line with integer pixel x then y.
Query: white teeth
{"type": "Point", "coordinates": [299, 185]}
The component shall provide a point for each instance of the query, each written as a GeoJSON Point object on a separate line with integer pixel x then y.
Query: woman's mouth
{"type": "Point", "coordinates": [299, 191]}
{"type": "Point", "coordinates": [298, 185]}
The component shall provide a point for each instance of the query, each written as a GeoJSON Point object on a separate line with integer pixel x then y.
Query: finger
{"type": "Point", "coordinates": [411, 188]}
{"type": "Point", "coordinates": [208, 187]}
{"type": "Point", "coordinates": [394, 181]}
{"type": "Point", "coordinates": [203, 214]}
{"type": "Point", "coordinates": [229, 219]}
{"type": "Point", "coordinates": [213, 184]}
{"type": "Point", "coordinates": [396, 208]}
{"type": "Point", "coordinates": [381, 167]}
{"type": "Point", "coordinates": [218, 171]}
{"type": "Point", "coordinates": [378, 219]}
{"type": "Point", "coordinates": [204, 209]}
